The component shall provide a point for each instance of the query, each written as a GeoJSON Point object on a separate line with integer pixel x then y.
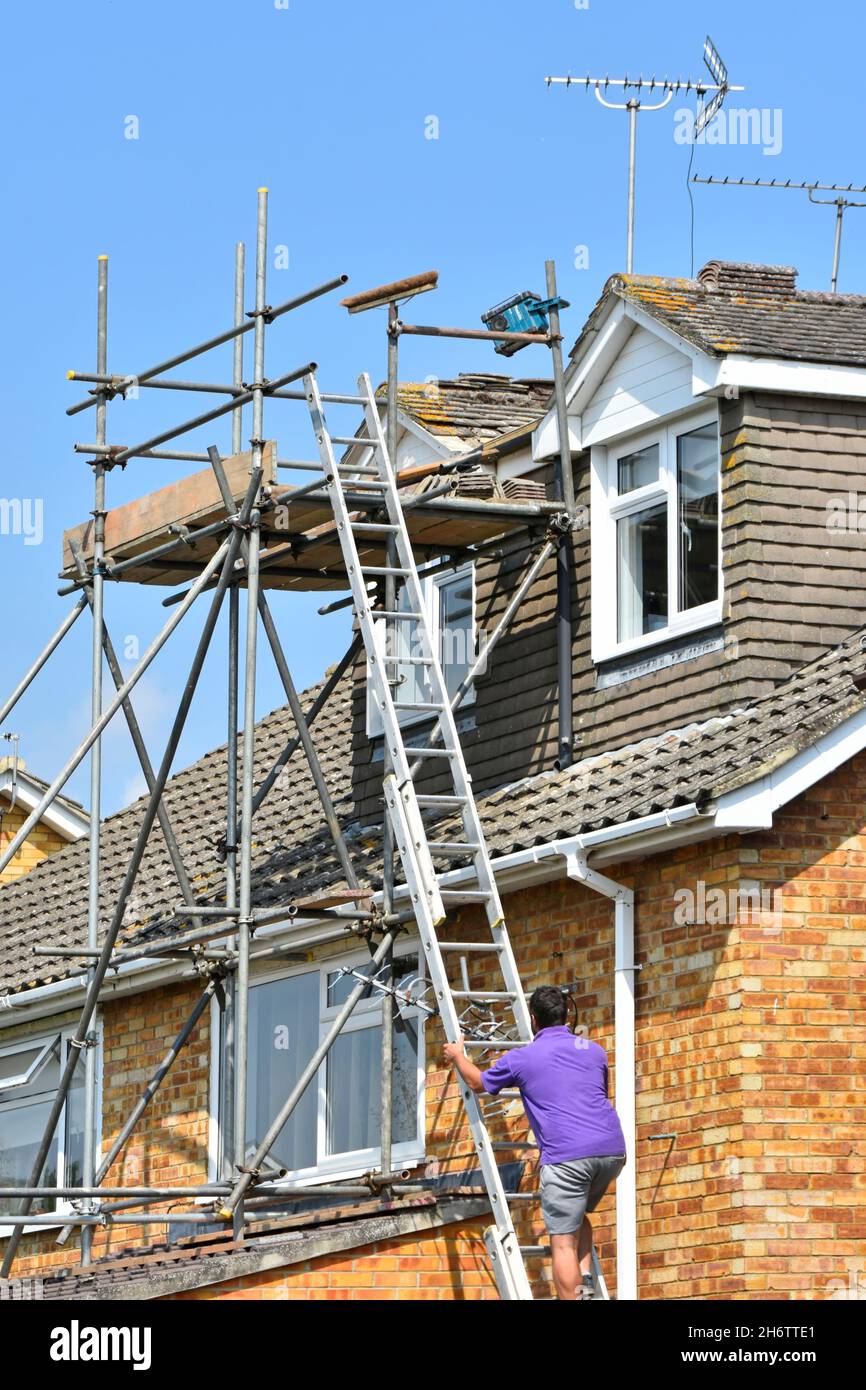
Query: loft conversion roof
{"type": "Point", "coordinates": [292, 852]}
{"type": "Point", "coordinates": [739, 308]}
{"type": "Point", "coordinates": [473, 407]}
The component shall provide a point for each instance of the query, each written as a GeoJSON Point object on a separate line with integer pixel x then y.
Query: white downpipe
{"type": "Point", "coordinates": [624, 1048]}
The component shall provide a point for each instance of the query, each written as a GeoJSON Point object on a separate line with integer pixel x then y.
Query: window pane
{"type": "Point", "coordinates": [354, 1089]}
{"type": "Point", "coordinates": [698, 504]}
{"type": "Point", "coordinates": [74, 1174]}
{"type": "Point", "coordinates": [22, 1130]}
{"type": "Point", "coordinates": [284, 1034]}
{"type": "Point", "coordinates": [456, 637]}
{"type": "Point", "coordinates": [19, 1063]}
{"type": "Point", "coordinates": [638, 469]}
{"type": "Point", "coordinates": [341, 986]}
{"type": "Point", "coordinates": [405, 640]}
{"type": "Point", "coordinates": [642, 572]}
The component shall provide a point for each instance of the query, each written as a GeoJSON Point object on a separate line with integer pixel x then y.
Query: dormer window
{"type": "Point", "coordinates": [449, 598]}
{"type": "Point", "coordinates": [656, 540]}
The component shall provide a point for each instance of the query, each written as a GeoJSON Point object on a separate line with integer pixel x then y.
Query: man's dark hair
{"type": "Point", "coordinates": [548, 1004]}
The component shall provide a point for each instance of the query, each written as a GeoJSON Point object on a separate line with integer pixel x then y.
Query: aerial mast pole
{"type": "Point", "coordinates": [720, 87]}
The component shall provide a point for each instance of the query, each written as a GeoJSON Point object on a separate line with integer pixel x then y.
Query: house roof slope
{"type": "Point", "coordinates": [292, 852]}
{"type": "Point", "coordinates": [755, 310]}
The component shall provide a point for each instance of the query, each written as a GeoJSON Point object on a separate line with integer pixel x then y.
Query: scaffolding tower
{"type": "Point", "coordinates": [236, 545]}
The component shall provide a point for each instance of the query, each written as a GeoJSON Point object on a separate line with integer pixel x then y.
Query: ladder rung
{"type": "Point", "coordinates": [436, 800]}
{"type": "Point", "coordinates": [518, 1144]}
{"type": "Point", "coordinates": [488, 947]}
{"type": "Point", "coordinates": [466, 895]}
{"type": "Point", "coordinates": [376, 526]}
{"type": "Point", "coordinates": [417, 704]}
{"type": "Point", "coordinates": [483, 994]}
{"type": "Point", "coordinates": [430, 753]}
{"type": "Point", "coordinates": [348, 470]}
{"type": "Point", "coordinates": [371, 486]}
{"type": "Point", "coordinates": [410, 661]}
{"type": "Point", "coordinates": [534, 1250]}
{"type": "Point", "coordinates": [382, 569]}
{"type": "Point", "coordinates": [444, 846]}
{"type": "Point", "coordinates": [390, 613]}
{"type": "Point", "coordinates": [522, 1196]}
{"type": "Point", "coordinates": [351, 439]}
{"type": "Point", "coordinates": [498, 1043]}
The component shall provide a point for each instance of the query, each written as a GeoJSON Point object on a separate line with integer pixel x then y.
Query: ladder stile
{"type": "Point", "coordinates": [428, 892]}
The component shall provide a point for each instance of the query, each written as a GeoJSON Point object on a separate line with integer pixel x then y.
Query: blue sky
{"type": "Point", "coordinates": [329, 104]}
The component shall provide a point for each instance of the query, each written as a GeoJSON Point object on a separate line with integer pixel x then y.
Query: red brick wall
{"type": "Point", "coordinates": [750, 1048]}
{"type": "Point", "coordinates": [170, 1145]}
{"type": "Point", "coordinates": [446, 1263]}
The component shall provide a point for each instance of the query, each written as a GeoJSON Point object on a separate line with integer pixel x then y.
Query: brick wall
{"type": "Point", "coordinates": [750, 1048]}
{"type": "Point", "coordinates": [41, 842]}
{"type": "Point", "coordinates": [448, 1263]}
{"type": "Point", "coordinates": [170, 1146]}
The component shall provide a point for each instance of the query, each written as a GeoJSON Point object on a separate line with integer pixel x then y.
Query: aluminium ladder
{"type": "Point", "coordinates": [405, 805]}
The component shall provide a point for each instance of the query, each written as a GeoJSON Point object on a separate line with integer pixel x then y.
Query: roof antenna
{"type": "Point", "coordinates": [720, 86]}
{"type": "Point", "coordinates": [841, 203]}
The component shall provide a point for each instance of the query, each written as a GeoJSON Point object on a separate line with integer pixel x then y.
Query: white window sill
{"type": "Point", "coordinates": [411, 1158]}
{"type": "Point", "coordinates": [710, 616]}
{"type": "Point", "coordinates": [32, 1230]}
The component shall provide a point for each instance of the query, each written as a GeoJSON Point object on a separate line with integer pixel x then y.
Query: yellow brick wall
{"type": "Point", "coordinates": [41, 842]}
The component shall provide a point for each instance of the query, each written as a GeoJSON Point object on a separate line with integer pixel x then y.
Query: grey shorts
{"type": "Point", "coordinates": [570, 1190]}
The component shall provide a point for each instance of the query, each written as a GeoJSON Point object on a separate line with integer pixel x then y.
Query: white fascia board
{"type": "Point", "coordinates": [793, 378]}
{"type": "Point", "coordinates": [622, 317]}
{"type": "Point", "coordinates": [755, 804]}
{"type": "Point", "coordinates": [67, 822]}
{"type": "Point", "coordinates": [581, 380]}
{"type": "Point", "coordinates": [545, 437]}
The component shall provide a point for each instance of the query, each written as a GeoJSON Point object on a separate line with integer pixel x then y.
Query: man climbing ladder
{"type": "Point", "coordinates": [562, 1080]}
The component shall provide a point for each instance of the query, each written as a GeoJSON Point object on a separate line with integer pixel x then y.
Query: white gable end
{"type": "Point", "coordinates": [648, 379]}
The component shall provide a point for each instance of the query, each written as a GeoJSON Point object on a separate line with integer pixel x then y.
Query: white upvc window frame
{"type": "Point", "coordinates": [47, 1040]}
{"type": "Point", "coordinates": [366, 1014]}
{"type": "Point", "coordinates": [432, 586]}
{"type": "Point", "coordinates": [608, 507]}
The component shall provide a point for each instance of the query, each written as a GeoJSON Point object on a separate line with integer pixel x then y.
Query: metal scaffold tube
{"type": "Point", "coordinates": [97, 595]}
{"type": "Point", "coordinates": [225, 557]}
{"type": "Point", "coordinates": [236, 331]}
{"type": "Point", "coordinates": [219, 951]}
{"type": "Point", "coordinates": [114, 705]}
{"type": "Point", "coordinates": [242, 974]}
{"type": "Point", "coordinates": [140, 747]}
{"type": "Point", "coordinates": [28, 679]}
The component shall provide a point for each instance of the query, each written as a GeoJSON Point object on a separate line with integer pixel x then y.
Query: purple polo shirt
{"type": "Point", "coordinates": [563, 1085]}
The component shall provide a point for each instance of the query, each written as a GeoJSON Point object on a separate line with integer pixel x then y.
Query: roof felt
{"type": "Point", "coordinates": [750, 309]}
{"type": "Point", "coordinates": [473, 407]}
{"type": "Point", "coordinates": [292, 852]}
